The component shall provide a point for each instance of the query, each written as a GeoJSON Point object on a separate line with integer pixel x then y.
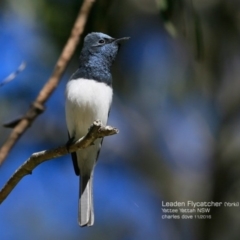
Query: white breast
{"type": "Point", "coordinates": [86, 101]}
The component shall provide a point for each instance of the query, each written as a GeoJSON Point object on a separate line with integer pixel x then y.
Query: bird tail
{"type": "Point", "coordinates": [85, 207]}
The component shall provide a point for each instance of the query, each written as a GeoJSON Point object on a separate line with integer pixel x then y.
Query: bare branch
{"type": "Point", "coordinates": [97, 130]}
{"type": "Point", "coordinates": [13, 75]}
{"type": "Point", "coordinates": [52, 83]}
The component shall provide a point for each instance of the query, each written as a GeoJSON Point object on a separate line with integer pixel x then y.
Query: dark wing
{"type": "Point", "coordinates": [74, 158]}
{"type": "Point", "coordinates": [99, 150]}
{"type": "Point", "coordinates": [102, 139]}
{"type": "Point", "coordinates": [75, 164]}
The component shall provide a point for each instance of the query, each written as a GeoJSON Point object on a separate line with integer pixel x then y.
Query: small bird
{"type": "Point", "coordinates": [88, 98]}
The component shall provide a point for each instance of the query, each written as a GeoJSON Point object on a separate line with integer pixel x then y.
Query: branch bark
{"type": "Point", "coordinates": [97, 130]}
{"type": "Point", "coordinates": [37, 107]}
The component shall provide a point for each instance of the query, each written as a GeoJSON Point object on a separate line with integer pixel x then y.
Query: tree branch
{"type": "Point", "coordinates": [37, 107]}
{"type": "Point", "coordinates": [97, 130]}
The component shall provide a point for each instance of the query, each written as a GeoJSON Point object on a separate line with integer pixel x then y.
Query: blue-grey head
{"type": "Point", "coordinates": [102, 46]}
{"type": "Point", "coordinates": [97, 55]}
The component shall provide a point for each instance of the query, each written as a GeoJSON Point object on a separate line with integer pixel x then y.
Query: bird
{"type": "Point", "coordinates": [89, 96]}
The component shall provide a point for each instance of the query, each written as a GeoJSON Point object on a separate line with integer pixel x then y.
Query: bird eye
{"type": "Point", "coordinates": [101, 41]}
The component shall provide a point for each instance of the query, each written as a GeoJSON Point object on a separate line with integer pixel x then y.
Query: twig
{"type": "Point", "coordinates": [37, 106]}
{"type": "Point", "coordinates": [95, 131]}
{"type": "Point", "coordinates": [13, 75]}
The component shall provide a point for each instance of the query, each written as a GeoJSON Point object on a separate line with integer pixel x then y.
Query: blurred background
{"type": "Point", "coordinates": [176, 103]}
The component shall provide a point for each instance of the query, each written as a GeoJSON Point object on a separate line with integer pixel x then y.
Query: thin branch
{"type": "Point", "coordinates": [37, 106]}
{"type": "Point", "coordinates": [13, 75]}
{"type": "Point", "coordinates": [97, 130]}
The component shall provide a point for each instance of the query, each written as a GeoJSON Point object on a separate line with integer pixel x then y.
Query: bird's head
{"type": "Point", "coordinates": [102, 46]}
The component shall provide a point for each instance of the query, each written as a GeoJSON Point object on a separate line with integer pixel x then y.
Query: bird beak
{"type": "Point", "coordinates": [120, 40]}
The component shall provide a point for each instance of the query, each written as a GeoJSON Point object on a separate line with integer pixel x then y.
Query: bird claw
{"type": "Point", "coordinates": [97, 122]}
